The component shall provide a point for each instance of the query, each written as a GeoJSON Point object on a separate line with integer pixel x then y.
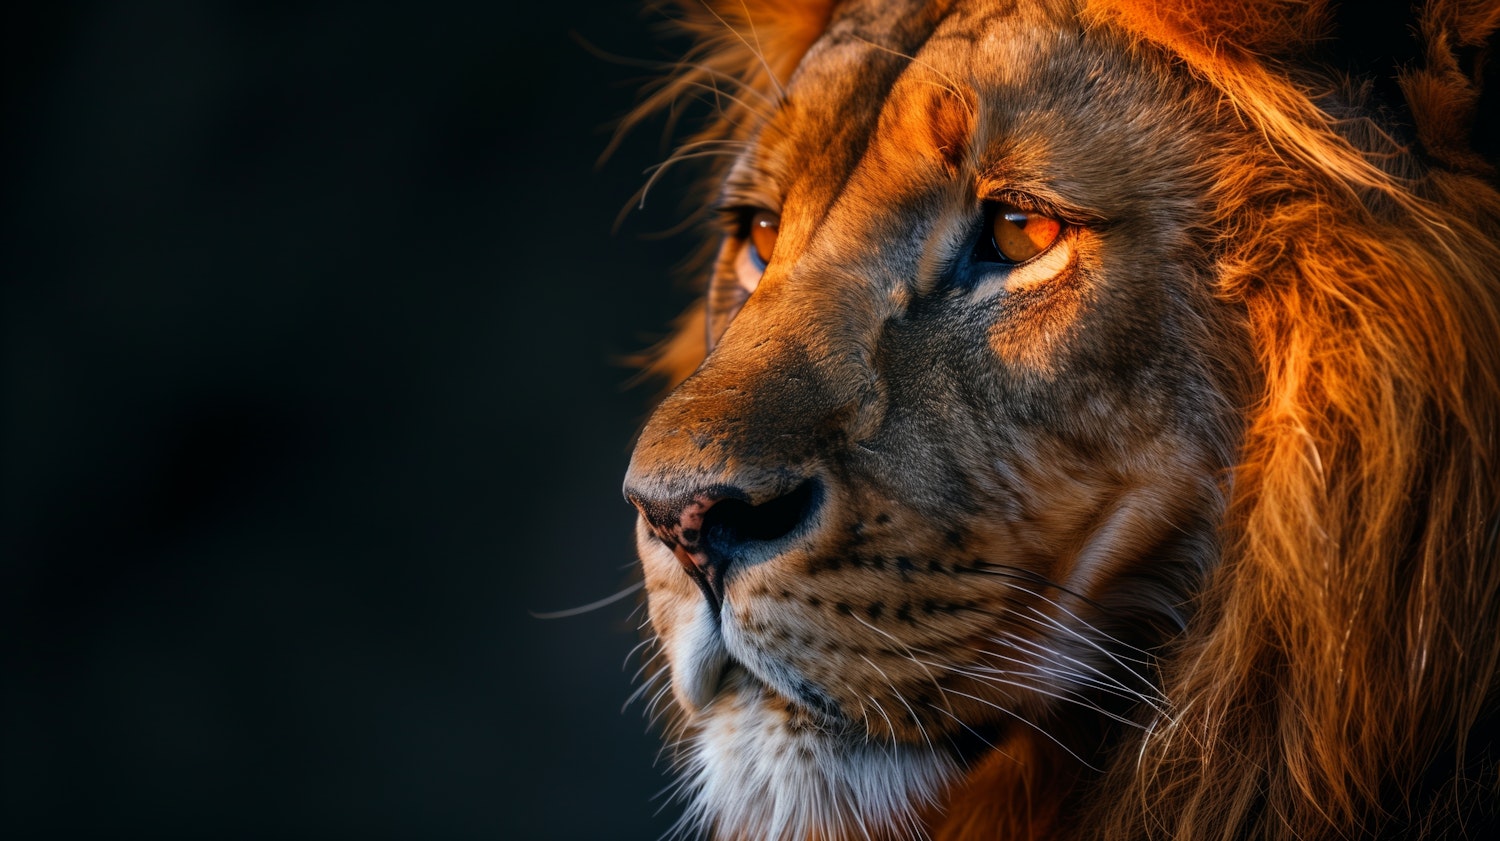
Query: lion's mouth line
{"type": "Point", "coordinates": [817, 714]}
{"type": "Point", "coordinates": [784, 684]}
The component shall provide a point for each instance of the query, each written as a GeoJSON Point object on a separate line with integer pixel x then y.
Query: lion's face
{"type": "Point", "coordinates": [962, 447]}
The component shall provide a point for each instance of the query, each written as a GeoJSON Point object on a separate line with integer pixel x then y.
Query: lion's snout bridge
{"type": "Point", "coordinates": [731, 471]}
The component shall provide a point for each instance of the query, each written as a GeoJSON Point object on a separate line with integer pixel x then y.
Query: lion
{"type": "Point", "coordinates": [1089, 428]}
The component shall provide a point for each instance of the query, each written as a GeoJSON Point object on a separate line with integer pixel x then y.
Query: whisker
{"type": "Point", "coordinates": [1151, 697]}
{"type": "Point", "coordinates": [655, 704]}
{"type": "Point", "coordinates": [1056, 670]}
{"type": "Point", "coordinates": [752, 109]}
{"type": "Point", "coordinates": [910, 655]}
{"type": "Point", "coordinates": [992, 746]}
{"type": "Point", "coordinates": [632, 652]}
{"type": "Point", "coordinates": [715, 141]}
{"type": "Point", "coordinates": [714, 73]}
{"type": "Point", "coordinates": [1047, 620]}
{"type": "Point", "coordinates": [878, 708]}
{"type": "Point", "coordinates": [1052, 655]}
{"type": "Point", "coordinates": [1001, 571]}
{"type": "Point", "coordinates": [897, 694]}
{"type": "Point", "coordinates": [1032, 725]}
{"type": "Point", "coordinates": [657, 170]}
{"type": "Point", "coordinates": [1046, 693]}
{"type": "Point", "coordinates": [646, 686]}
{"type": "Point", "coordinates": [644, 664]}
{"type": "Point", "coordinates": [575, 611]}
{"type": "Point", "coordinates": [754, 48]}
{"type": "Point", "coordinates": [1016, 573]}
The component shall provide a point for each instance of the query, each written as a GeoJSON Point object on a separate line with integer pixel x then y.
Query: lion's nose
{"type": "Point", "coordinates": [716, 528]}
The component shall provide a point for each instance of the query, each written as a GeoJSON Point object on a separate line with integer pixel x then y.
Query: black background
{"type": "Point", "coordinates": [310, 396]}
{"type": "Point", "coordinates": [312, 314]}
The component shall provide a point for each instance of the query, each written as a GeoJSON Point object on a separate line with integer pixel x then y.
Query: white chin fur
{"type": "Point", "coordinates": [748, 774]}
{"type": "Point", "coordinates": [698, 660]}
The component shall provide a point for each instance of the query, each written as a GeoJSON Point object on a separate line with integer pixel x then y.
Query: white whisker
{"type": "Point", "coordinates": [1046, 693]}
{"type": "Point", "coordinates": [624, 664]}
{"type": "Point", "coordinates": [1053, 739]}
{"type": "Point", "coordinates": [1053, 656]}
{"type": "Point", "coordinates": [896, 693]}
{"type": "Point", "coordinates": [574, 611]}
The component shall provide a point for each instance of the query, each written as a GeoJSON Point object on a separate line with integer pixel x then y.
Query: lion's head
{"type": "Point", "coordinates": [1091, 429]}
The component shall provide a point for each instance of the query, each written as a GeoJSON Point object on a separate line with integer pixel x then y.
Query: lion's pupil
{"type": "Point", "coordinates": [1020, 235]}
{"type": "Point", "coordinates": [763, 229]}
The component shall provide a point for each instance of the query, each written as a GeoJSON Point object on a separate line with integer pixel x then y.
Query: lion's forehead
{"type": "Point", "coordinates": [895, 123]}
{"type": "Point", "coordinates": [877, 77]}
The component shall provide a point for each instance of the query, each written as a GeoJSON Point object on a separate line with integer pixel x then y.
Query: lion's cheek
{"type": "Point", "coordinates": [1046, 302]}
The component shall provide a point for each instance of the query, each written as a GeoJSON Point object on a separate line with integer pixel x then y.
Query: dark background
{"type": "Point", "coordinates": [308, 398]}
{"type": "Point", "coordinates": [312, 314]}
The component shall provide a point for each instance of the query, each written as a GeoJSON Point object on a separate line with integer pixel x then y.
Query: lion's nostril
{"type": "Point", "coordinates": [718, 528]}
{"type": "Point", "coordinates": [733, 527]}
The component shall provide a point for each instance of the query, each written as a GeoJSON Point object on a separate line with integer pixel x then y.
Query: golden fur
{"type": "Point", "coordinates": [1189, 528]}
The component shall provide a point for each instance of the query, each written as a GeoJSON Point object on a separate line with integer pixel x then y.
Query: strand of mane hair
{"type": "Point", "coordinates": [742, 53]}
{"type": "Point", "coordinates": [1349, 640]}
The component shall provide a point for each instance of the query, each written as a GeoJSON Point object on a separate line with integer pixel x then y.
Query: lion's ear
{"type": "Point", "coordinates": [766, 38]}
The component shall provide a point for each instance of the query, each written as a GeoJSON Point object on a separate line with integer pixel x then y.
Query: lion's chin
{"type": "Point", "coordinates": [756, 768]}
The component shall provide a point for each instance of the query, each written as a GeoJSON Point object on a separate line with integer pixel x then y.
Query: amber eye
{"type": "Point", "coordinates": [763, 228]}
{"type": "Point", "coordinates": [747, 251]}
{"type": "Point", "coordinates": [1019, 235]}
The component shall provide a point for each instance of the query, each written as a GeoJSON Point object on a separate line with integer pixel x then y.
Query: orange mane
{"type": "Point", "coordinates": [1348, 644]}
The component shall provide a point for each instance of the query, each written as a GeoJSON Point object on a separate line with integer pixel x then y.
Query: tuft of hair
{"type": "Point", "coordinates": [742, 54]}
{"type": "Point", "coordinates": [1336, 680]}
{"type": "Point", "coordinates": [1204, 30]}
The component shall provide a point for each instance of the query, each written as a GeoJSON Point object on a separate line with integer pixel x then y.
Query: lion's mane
{"type": "Point", "coordinates": [1345, 651]}
{"type": "Point", "coordinates": [1339, 675]}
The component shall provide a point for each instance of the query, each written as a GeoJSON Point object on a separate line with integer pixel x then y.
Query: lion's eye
{"type": "Point", "coordinates": [749, 250]}
{"type": "Point", "coordinates": [1017, 235]}
{"type": "Point", "coordinates": [764, 226]}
